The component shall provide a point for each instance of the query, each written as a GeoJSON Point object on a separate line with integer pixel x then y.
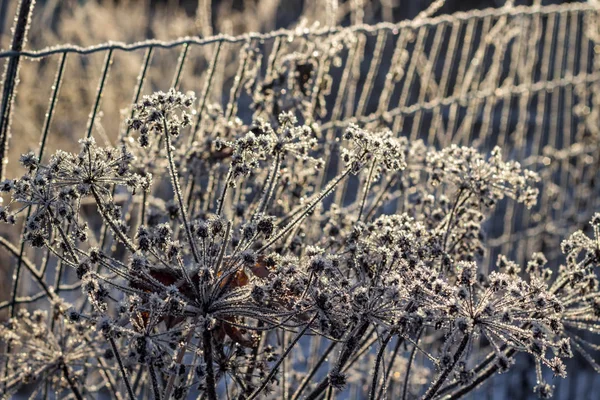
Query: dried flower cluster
{"type": "Point", "coordinates": [230, 263]}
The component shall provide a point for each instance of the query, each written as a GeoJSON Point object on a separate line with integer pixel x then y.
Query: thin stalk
{"type": "Point", "coordinates": [366, 189]}
{"type": "Point", "coordinates": [345, 354]}
{"type": "Point", "coordinates": [313, 371]}
{"type": "Point", "coordinates": [486, 374]}
{"type": "Point", "coordinates": [100, 90]}
{"type": "Point", "coordinates": [180, 65]}
{"type": "Point", "coordinates": [154, 380]}
{"type": "Point", "coordinates": [390, 365]}
{"type": "Point", "coordinates": [191, 187]}
{"type": "Point", "coordinates": [58, 277]}
{"type": "Point", "coordinates": [11, 76]}
{"type": "Point", "coordinates": [179, 359]}
{"type": "Point", "coordinates": [138, 379]}
{"type": "Point", "coordinates": [177, 190]}
{"type": "Point", "coordinates": [413, 353]}
{"type": "Point", "coordinates": [143, 208]}
{"type": "Point", "coordinates": [329, 394]}
{"type": "Point", "coordinates": [442, 378]}
{"type": "Point", "coordinates": [64, 237]}
{"type": "Point", "coordinates": [221, 200]}
{"type": "Point", "coordinates": [382, 194]}
{"type": "Point", "coordinates": [122, 368]}
{"type": "Point", "coordinates": [71, 382]}
{"type": "Point", "coordinates": [140, 83]}
{"type": "Point", "coordinates": [362, 349]}
{"type": "Point", "coordinates": [268, 193]}
{"type": "Point", "coordinates": [108, 219]}
{"type": "Point", "coordinates": [284, 387]}
{"type": "Point", "coordinates": [378, 362]}
{"type": "Point", "coordinates": [450, 220]}
{"type": "Point", "coordinates": [265, 382]}
{"type": "Point", "coordinates": [206, 198]}
{"type": "Point", "coordinates": [211, 384]}
{"type": "Point", "coordinates": [223, 247]}
{"type": "Point", "coordinates": [308, 209]}
{"type": "Point", "coordinates": [255, 351]}
{"type": "Point", "coordinates": [239, 79]}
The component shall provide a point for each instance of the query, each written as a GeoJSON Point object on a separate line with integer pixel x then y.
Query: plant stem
{"type": "Point", "coordinates": [179, 359]}
{"type": "Point", "coordinates": [378, 362]}
{"type": "Point", "coordinates": [308, 208]}
{"type": "Point", "coordinates": [366, 189]}
{"type": "Point", "coordinates": [268, 193]}
{"type": "Point", "coordinates": [211, 385]}
{"type": "Point", "coordinates": [486, 374]}
{"type": "Point", "coordinates": [122, 368]}
{"type": "Point", "coordinates": [413, 353]}
{"type": "Point", "coordinates": [177, 190]}
{"type": "Point", "coordinates": [379, 199]}
{"type": "Point", "coordinates": [345, 354]}
{"type": "Point", "coordinates": [313, 371]}
{"type": "Point", "coordinates": [255, 351]}
{"type": "Point", "coordinates": [364, 347]}
{"type": "Point", "coordinates": [154, 380]}
{"type": "Point", "coordinates": [281, 359]}
{"type": "Point", "coordinates": [124, 239]}
{"type": "Point", "coordinates": [454, 207]}
{"type": "Point", "coordinates": [390, 365]}
{"type": "Point", "coordinates": [477, 369]}
{"type": "Point", "coordinates": [30, 267]}
{"type": "Point", "coordinates": [138, 379]}
{"type": "Point", "coordinates": [72, 385]}
{"type": "Point", "coordinates": [444, 375]}
{"type": "Point", "coordinates": [221, 200]}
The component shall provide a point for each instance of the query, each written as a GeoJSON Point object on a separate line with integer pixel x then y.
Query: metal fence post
{"type": "Point", "coordinates": [11, 79]}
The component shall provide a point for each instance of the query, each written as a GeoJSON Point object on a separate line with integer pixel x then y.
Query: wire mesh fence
{"type": "Point", "coordinates": [524, 78]}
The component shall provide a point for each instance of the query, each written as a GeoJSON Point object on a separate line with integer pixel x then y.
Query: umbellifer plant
{"type": "Point", "coordinates": [235, 265]}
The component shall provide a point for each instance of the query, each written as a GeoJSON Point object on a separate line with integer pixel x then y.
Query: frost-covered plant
{"type": "Point", "coordinates": [225, 266]}
{"type": "Point", "coordinates": [50, 351]}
